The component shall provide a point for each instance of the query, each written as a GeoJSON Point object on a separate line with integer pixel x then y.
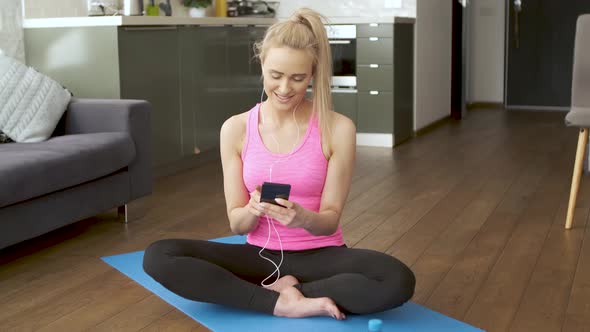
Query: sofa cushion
{"type": "Point", "coordinates": [31, 103]}
{"type": "Point", "coordinates": [28, 170]}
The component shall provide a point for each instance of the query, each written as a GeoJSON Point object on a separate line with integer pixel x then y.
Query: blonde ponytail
{"type": "Point", "coordinates": [305, 30]}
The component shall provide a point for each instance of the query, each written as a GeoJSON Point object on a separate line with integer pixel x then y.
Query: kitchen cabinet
{"type": "Point", "coordinates": [149, 69]}
{"type": "Point", "coordinates": [195, 77]}
{"type": "Point", "coordinates": [374, 30]}
{"type": "Point", "coordinates": [377, 112]}
{"type": "Point", "coordinates": [345, 103]}
{"type": "Point", "coordinates": [403, 86]}
{"type": "Point", "coordinates": [376, 77]}
{"type": "Point", "coordinates": [205, 73]}
{"type": "Point", "coordinates": [374, 50]}
{"type": "Point", "coordinates": [220, 78]}
{"type": "Point", "coordinates": [385, 80]}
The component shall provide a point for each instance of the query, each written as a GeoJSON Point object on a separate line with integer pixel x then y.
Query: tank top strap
{"type": "Point", "coordinates": [251, 129]}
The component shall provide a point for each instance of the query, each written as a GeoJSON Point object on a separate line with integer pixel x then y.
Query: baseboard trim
{"type": "Point", "coordinates": [484, 105]}
{"type": "Point", "coordinates": [369, 139]}
{"type": "Point", "coordinates": [432, 126]}
{"type": "Point", "coordinates": [538, 108]}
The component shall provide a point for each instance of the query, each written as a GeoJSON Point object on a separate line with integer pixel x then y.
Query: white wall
{"type": "Point", "coordinates": [433, 61]}
{"type": "Point", "coordinates": [330, 8]}
{"type": "Point", "coordinates": [11, 31]}
{"type": "Point", "coordinates": [485, 60]}
{"type": "Point", "coordinates": [55, 8]}
{"type": "Point", "coordinates": [71, 8]}
{"type": "Point", "coordinates": [351, 8]}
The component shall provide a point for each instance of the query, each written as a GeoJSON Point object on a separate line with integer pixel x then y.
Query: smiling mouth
{"type": "Point", "coordinates": [283, 99]}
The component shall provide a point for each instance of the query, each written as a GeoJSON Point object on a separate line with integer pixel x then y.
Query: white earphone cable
{"type": "Point", "coordinates": [277, 266]}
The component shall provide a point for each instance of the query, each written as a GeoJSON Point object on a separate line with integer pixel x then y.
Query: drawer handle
{"type": "Point", "coordinates": [339, 41]}
{"type": "Point", "coordinates": [374, 38]}
{"type": "Point", "coordinates": [374, 65]}
{"type": "Point", "coordinates": [373, 92]}
{"type": "Point", "coordinates": [373, 25]}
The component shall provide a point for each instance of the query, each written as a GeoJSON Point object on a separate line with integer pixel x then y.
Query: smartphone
{"type": "Point", "coordinates": [271, 190]}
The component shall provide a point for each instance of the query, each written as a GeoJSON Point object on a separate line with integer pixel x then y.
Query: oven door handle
{"type": "Point", "coordinates": [338, 90]}
{"type": "Point", "coordinates": [339, 41]}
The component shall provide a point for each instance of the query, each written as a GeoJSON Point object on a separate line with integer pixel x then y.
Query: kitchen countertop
{"type": "Point", "coordinates": [83, 21]}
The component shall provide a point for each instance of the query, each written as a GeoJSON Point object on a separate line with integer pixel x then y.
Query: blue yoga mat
{"type": "Point", "coordinates": [409, 317]}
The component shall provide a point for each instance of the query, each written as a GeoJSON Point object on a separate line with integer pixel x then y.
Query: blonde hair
{"type": "Point", "coordinates": [305, 30]}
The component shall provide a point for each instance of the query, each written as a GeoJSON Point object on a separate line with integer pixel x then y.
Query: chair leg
{"type": "Point", "coordinates": [582, 142]}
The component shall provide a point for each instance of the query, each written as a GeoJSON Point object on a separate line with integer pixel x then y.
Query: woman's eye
{"type": "Point", "coordinates": [275, 77]}
{"type": "Point", "coordinates": [298, 79]}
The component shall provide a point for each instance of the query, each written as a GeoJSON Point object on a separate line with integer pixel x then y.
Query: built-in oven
{"type": "Point", "coordinates": [342, 40]}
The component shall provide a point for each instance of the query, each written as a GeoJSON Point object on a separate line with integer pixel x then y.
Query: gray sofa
{"type": "Point", "coordinates": [98, 158]}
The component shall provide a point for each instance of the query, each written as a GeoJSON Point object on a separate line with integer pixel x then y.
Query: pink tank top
{"type": "Point", "coordinates": [304, 169]}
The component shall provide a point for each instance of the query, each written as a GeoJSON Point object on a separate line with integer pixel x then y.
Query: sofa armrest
{"type": "Point", "coordinates": [114, 115]}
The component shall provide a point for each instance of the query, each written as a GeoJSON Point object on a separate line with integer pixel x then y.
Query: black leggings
{"type": "Point", "coordinates": [359, 281]}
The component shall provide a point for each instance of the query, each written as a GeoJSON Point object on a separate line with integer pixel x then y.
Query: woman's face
{"type": "Point", "coordinates": [287, 73]}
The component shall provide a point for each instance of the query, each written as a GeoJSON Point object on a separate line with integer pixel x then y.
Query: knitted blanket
{"type": "Point", "coordinates": [31, 103]}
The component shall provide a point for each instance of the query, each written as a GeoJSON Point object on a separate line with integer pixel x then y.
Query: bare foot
{"type": "Point", "coordinates": [282, 283]}
{"type": "Point", "coordinates": [292, 303]}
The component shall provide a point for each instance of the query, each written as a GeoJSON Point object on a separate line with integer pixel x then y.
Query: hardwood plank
{"type": "Point", "coordinates": [475, 206]}
{"type": "Point", "coordinates": [408, 174]}
{"type": "Point", "coordinates": [100, 308]}
{"type": "Point", "coordinates": [64, 302]}
{"type": "Point", "coordinates": [414, 208]}
{"type": "Point", "coordinates": [498, 169]}
{"type": "Point", "coordinates": [47, 287]}
{"type": "Point", "coordinates": [547, 294]}
{"type": "Point", "coordinates": [499, 298]}
{"type": "Point", "coordinates": [577, 315]}
{"type": "Point", "coordinates": [137, 316]}
{"type": "Point", "coordinates": [447, 211]}
{"type": "Point", "coordinates": [437, 241]}
{"type": "Point", "coordinates": [456, 292]}
{"type": "Point", "coordinates": [175, 321]}
{"type": "Point", "coordinates": [31, 269]}
{"type": "Point", "coordinates": [355, 231]}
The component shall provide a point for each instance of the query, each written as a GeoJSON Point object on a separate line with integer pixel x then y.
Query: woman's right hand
{"type": "Point", "coordinates": [254, 203]}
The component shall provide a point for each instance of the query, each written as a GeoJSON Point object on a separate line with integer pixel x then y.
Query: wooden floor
{"type": "Point", "coordinates": [475, 207]}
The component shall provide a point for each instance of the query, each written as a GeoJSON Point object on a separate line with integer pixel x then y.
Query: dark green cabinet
{"type": "Point", "coordinates": [385, 79]}
{"type": "Point", "coordinates": [195, 77]}
{"type": "Point", "coordinates": [374, 30]}
{"type": "Point", "coordinates": [377, 112]}
{"type": "Point", "coordinates": [374, 50]}
{"type": "Point", "coordinates": [149, 69]}
{"type": "Point", "coordinates": [375, 77]}
{"type": "Point", "coordinates": [345, 103]}
{"type": "Point", "coordinates": [204, 77]}
{"type": "Point", "coordinates": [220, 78]}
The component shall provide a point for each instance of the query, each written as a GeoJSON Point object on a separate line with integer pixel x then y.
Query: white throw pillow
{"type": "Point", "coordinates": [31, 103]}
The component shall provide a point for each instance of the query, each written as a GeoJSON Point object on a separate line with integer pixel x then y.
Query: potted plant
{"type": "Point", "coordinates": [197, 8]}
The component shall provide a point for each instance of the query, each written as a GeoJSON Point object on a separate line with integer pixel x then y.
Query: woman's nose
{"type": "Point", "coordinates": [284, 86]}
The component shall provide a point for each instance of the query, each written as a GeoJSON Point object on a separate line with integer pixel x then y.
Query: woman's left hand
{"type": "Point", "coordinates": [289, 214]}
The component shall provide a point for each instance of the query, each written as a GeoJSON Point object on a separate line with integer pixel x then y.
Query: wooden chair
{"type": "Point", "coordinates": [579, 115]}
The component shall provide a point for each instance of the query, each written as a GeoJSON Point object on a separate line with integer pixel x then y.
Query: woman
{"type": "Point", "coordinates": [286, 139]}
